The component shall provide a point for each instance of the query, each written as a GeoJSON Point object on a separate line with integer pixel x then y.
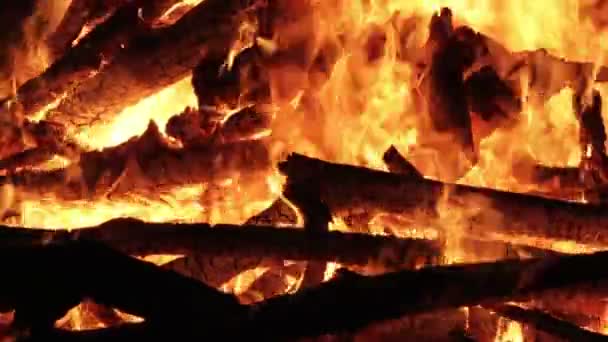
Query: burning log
{"type": "Point", "coordinates": [492, 102]}
{"type": "Point", "coordinates": [443, 86]}
{"type": "Point", "coordinates": [148, 162]}
{"type": "Point", "coordinates": [78, 15]}
{"type": "Point", "coordinates": [193, 127]}
{"type": "Point", "coordinates": [346, 303]}
{"type": "Point", "coordinates": [136, 237]}
{"type": "Point", "coordinates": [98, 266]}
{"type": "Point", "coordinates": [49, 138]}
{"type": "Point", "coordinates": [245, 81]}
{"type": "Point", "coordinates": [87, 58]}
{"type": "Point", "coordinates": [548, 323]}
{"type": "Point", "coordinates": [517, 218]}
{"type": "Point", "coordinates": [594, 162]}
{"type": "Point", "coordinates": [153, 61]}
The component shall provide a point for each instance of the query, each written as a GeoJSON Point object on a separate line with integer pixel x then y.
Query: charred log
{"type": "Point", "coordinates": [139, 238]}
{"type": "Point", "coordinates": [153, 61]}
{"type": "Point", "coordinates": [548, 323]}
{"type": "Point", "coordinates": [492, 102]}
{"type": "Point", "coordinates": [329, 308]}
{"type": "Point", "coordinates": [316, 216]}
{"type": "Point", "coordinates": [87, 58]}
{"type": "Point", "coordinates": [49, 139]}
{"type": "Point", "coordinates": [194, 127]}
{"type": "Point", "coordinates": [148, 162]}
{"type": "Point", "coordinates": [215, 82]}
{"type": "Point", "coordinates": [512, 217]}
{"type": "Point", "coordinates": [99, 268]}
{"type": "Point", "coordinates": [79, 15]}
{"type": "Point", "coordinates": [451, 54]}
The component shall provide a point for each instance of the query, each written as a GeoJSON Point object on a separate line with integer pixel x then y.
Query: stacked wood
{"type": "Point", "coordinates": [88, 57]}
{"type": "Point", "coordinates": [153, 61]}
{"type": "Point", "coordinates": [348, 302]}
{"type": "Point", "coordinates": [144, 165]}
{"type": "Point", "coordinates": [518, 218]}
{"type": "Point", "coordinates": [246, 246]}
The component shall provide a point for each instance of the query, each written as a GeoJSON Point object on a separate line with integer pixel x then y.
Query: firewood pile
{"type": "Point", "coordinates": [315, 264]}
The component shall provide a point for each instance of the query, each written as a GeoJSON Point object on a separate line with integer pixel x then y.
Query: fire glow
{"type": "Point", "coordinates": [342, 81]}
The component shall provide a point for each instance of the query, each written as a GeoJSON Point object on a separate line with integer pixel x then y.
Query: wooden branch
{"type": "Point", "coordinates": [87, 58]}
{"type": "Point", "coordinates": [350, 301]}
{"type": "Point", "coordinates": [148, 163]}
{"type": "Point", "coordinates": [516, 218]}
{"type": "Point", "coordinates": [154, 61]}
{"type": "Point", "coordinates": [548, 323]}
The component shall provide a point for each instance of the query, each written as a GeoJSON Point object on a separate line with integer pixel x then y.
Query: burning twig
{"type": "Point", "coordinates": [548, 323]}
{"type": "Point", "coordinates": [346, 303]}
{"type": "Point", "coordinates": [512, 217]}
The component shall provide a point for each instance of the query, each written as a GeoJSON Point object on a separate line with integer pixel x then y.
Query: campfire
{"type": "Point", "coordinates": [303, 170]}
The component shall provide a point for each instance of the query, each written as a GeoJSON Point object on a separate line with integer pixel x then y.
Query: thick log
{"type": "Point", "coordinates": [584, 308]}
{"type": "Point", "coordinates": [79, 15]}
{"type": "Point", "coordinates": [511, 217]}
{"type": "Point", "coordinates": [548, 323]}
{"type": "Point", "coordinates": [154, 61]}
{"type": "Point", "coordinates": [350, 302]}
{"type": "Point", "coordinates": [99, 271]}
{"type": "Point", "coordinates": [91, 53]}
{"type": "Point", "coordinates": [136, 237]}
{"type": "Point", "coordinates": [141, 165]}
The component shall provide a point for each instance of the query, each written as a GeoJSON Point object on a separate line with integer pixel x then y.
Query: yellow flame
{"type": "Point", "coordinates": [134, 120]}
{"type": "Point", "coordinates": [509, 331]}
